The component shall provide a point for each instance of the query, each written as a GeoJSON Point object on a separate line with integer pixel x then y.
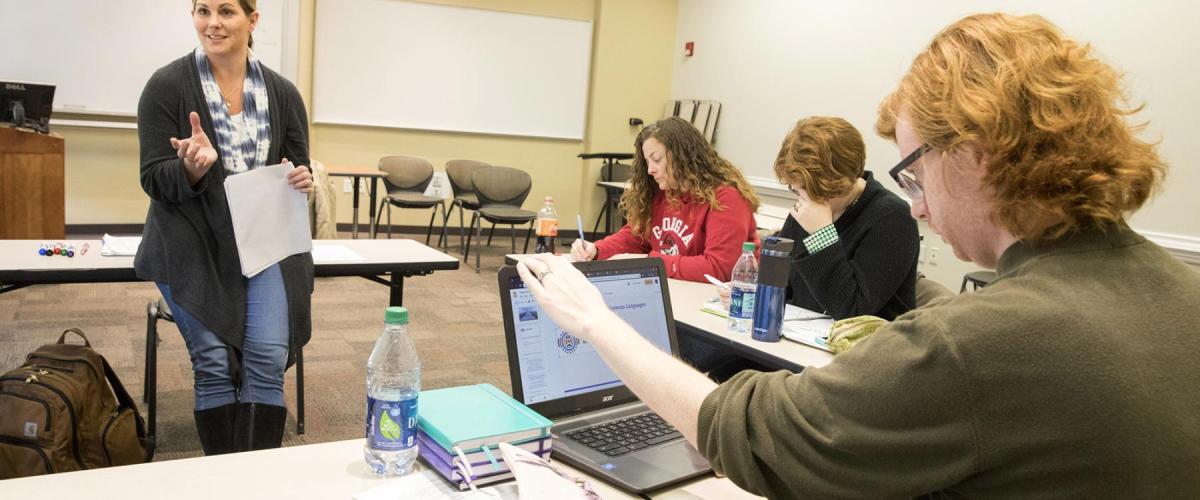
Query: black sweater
{"type": "Point", "coordinates": [188, 240]}
{"type": "Point", "coordinates": [872, 269]}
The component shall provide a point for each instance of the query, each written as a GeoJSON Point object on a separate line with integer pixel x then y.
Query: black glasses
{"type": "Point", "coordinates": [907, 181]}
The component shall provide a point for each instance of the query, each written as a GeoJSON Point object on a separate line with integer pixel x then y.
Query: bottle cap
{"type": "Point", "coordinates": [549, 199]}
{"type": "Point", "coordinates": [748, 246]}
{"type": "Point", "coordinates": [396, 315]}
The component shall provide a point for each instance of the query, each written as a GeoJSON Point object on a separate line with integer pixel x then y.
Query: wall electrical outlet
{"type": "Point", "coordinates": [347, 185]}
{"type": "Point", "coordinates": [932, 256]}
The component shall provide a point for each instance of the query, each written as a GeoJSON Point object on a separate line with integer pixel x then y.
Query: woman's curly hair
{"type": "Point", "coordinates": [695, 166]}
{"type": "Point", "coordinates": [1047, 116]}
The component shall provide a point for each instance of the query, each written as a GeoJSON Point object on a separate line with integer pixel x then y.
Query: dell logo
{"type": "Point", "coordinates": [13, 86]}
{"type": "Point", "coordinates": [606, 399]}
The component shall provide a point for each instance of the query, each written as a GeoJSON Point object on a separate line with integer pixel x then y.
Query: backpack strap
{"type": "Point", "coordinates": [62, 339]}
{"type": "Point", "coordinates": [123, 398]}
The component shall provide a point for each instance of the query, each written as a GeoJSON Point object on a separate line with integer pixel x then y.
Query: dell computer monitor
{"type": "Point", "coordinates": [26, 105]}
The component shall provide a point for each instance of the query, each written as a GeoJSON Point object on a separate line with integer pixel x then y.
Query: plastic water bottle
{"type": "Point", "coordinates": [547, 227]}
{"type": "Point", "coordinates": [741, 297]}
{"type": "Point", "coordinates": [393, 382]}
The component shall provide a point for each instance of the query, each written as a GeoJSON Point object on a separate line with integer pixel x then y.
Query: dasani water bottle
{"type": "Point", "coordinates": [393, 381]}
{"type": "Point", "coordinates": [741, 297]}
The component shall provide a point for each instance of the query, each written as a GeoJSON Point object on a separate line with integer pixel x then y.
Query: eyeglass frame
{"type": "Point", "coordinates": [907, 181]}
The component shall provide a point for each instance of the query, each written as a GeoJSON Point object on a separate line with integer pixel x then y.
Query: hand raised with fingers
{"type": "Point", "coordinates": [196, 151]}
{"type": "Point", "coordinates": [564, 293]}
{"type": "Point", "coordinates": [812, 215]}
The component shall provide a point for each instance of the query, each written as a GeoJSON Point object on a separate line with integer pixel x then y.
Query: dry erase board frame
{"type": "Point", "coordinates": [411, 65]}
{"type": "Point", "coordinates": [100, 55]}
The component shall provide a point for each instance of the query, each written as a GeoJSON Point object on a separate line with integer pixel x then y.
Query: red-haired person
{"type": "Point", "coordinates": [1072, 375]}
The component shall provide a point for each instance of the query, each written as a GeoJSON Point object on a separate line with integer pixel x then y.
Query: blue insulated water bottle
{"type": "Point", "coordinates": [771, 295]}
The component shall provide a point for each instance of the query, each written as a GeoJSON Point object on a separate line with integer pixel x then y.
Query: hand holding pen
{"type": "Point", "coordinates": [581, 249]}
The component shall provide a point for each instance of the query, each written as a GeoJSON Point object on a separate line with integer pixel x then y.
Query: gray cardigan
{"type": "Point", "coordinates": [188, 238]}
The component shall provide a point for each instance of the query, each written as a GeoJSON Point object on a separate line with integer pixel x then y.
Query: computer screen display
{"type": "Point", "coordinates": [26, 105]}
{"type": "Point", "coordinates": [554, 364]}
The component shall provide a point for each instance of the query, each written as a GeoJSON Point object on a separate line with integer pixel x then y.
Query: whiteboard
{"type": "Point", "coordinates": [399, 64]}
{"type": "Point", "coordinates": [100, 54]}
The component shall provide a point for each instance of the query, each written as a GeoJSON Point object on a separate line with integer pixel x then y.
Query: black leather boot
{"type": "Point", "coordinates": [215, 427]}
{"type": "Point", "coordinates": [259, 426]}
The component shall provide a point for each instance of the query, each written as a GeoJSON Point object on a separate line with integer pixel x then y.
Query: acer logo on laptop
{"type": "Point", "coordinates": [605, 399]}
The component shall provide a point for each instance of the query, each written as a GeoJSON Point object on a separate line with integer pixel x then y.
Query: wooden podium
{"type": "Point", "coordinates": [31, 186]}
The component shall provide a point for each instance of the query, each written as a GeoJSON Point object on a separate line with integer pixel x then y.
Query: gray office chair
{"type": "Point", "coordinates": [459, 172]}
{"type": "Point", "coordinates": [615, 172]}
{"type": "Point", "coordinates": [977, 279]}
{"type": "Point", "coordinates": [501, 192]}
{"type": "Point", "coordinates": [407, 178]}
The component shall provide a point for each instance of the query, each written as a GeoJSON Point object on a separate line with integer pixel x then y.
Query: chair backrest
{"type": "Point", "coordinates": [501, 186]}
{"type": "Point", "coordinates": [617, 172]}
{"type": "Point", "coordinates": [459, 172]}
{"type": "Point", "coordinates": [406, 173]}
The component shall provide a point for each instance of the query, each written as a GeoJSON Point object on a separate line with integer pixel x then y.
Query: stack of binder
{"type": "Point", "coordinates": [459, 430]}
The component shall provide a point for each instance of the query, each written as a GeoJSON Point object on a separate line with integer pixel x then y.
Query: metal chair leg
{"type": "Point", "coordinates": [479, 238]}
{"type": "Point", "coordinates": [462, 231]}
{"type": "Point", "coordinates": [528, 232]}
{"type": "Point", "coordinates": [444, 240]}
{"type": "Point", "coordinates": [429, 232]}
{"type": "Point", "coordinates": [512, 234]}
{"type": "Point", "coordinates": [300, 390]}
{"type": "Point", "coordinates": [466, 242]}
{"type": "Point", "coordinates": [491, 232]}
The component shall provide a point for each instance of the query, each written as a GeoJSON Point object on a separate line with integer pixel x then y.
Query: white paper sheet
{"type": "Point", "coordinates": [270, 219]}
{"type": "Point", "coordinates": [120, 246]}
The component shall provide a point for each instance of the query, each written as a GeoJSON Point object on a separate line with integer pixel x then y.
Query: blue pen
{"type": "Point", "coordinates": [579, 224]}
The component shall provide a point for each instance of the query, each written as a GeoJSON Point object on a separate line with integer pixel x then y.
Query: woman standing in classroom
{"type": "Point", "coordinates": [685, 204]}
{"type": "Point", "coordinates": [212, 113]}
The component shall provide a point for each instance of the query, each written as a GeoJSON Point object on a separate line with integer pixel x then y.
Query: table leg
{"type": "Point", "coordinates": [354, 203]}
{"type": "Point", "coordinates": [397, 296]}
{"type": "Point", "coordinates": [371, 209]}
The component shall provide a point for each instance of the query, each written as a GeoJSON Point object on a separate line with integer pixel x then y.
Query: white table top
{"type": "Point", "coordinates": [686, 298]}
{"type": "Point", "coordinates": [22, 255]}
{"type": "Point", "coordinates": [334, 470]}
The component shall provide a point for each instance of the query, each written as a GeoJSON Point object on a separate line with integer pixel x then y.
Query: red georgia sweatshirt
{"type": "Point", "coordinates": [691, 238]}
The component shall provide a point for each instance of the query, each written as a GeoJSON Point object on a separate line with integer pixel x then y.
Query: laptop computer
{"type": "Point", "coordinates": [599, 425]}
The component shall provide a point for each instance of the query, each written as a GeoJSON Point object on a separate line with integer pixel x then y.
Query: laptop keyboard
{"type": "Point", "coordinates": [629, 434]}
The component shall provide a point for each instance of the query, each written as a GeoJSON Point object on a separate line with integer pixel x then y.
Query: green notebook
{"type": "Point", "coordinates": [471, 416]}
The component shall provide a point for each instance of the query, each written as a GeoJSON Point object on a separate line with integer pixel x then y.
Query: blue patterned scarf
{"type": "Point", "coordinates": [251, 152]}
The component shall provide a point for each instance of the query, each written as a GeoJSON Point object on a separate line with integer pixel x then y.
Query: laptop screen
{"type": "Point", "coordinates": [551, 363]}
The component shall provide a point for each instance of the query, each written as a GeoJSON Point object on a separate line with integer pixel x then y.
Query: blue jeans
{"type": "Point", "coordinates": [264, 349]}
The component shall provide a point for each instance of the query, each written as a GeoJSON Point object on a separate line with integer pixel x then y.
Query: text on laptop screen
{"type": "Point", "coordinates": [556, 364]}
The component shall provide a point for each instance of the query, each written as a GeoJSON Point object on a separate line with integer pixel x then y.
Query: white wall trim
{"type": "Point", "coordinates": [1186, 248]}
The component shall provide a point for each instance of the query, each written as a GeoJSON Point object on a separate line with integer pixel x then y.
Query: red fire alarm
{"type": "Point", "coordinates": [689, 48]}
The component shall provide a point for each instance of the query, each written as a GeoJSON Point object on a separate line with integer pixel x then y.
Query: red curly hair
{"type": "Point", "coordinates": [1049, 117]}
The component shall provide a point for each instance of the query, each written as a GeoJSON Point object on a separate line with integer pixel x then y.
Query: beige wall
{"type": "Point", "coordinates": [631, 76]}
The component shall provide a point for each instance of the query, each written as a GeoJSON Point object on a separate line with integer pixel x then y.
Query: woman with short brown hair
{"type": "Point", "coordinates": [856, 246]}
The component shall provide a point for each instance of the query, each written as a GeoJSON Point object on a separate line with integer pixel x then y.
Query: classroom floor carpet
{"type": "Point", "coordinates": [455, 322]}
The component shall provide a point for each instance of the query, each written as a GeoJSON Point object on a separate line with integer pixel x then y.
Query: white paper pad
{"type": "Point", "coordinates": [270, 219]}
{"type": "Point", "coordinates": [427, 484]}
{"type": "Point", "coordinates": [323, 254]}
{"type": "Point", "coordinates": [809, 332]}
{"type": "Point", "coordinates": [120, 246]}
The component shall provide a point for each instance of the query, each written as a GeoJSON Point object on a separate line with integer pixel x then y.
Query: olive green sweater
{"type": "Point", "coordinates": [1076, 374]}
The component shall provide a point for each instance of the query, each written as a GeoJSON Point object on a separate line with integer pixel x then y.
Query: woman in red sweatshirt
{"type": "Point", "coordinates": [685, 204]}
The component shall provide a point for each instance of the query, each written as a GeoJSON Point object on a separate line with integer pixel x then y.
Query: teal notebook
{"type": "Point", "coordinates": [472, 416]}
